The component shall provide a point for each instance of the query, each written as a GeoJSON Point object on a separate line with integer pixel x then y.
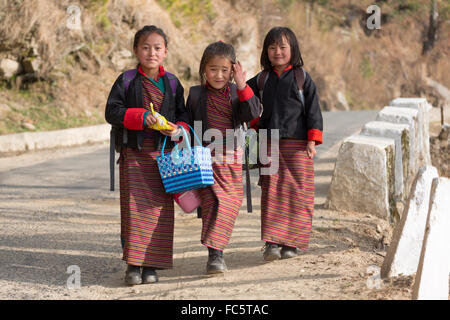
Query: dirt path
{"type": "Point", "coordinates": [42, 237]}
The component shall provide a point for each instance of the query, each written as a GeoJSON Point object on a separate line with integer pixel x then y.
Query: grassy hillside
{"type": "Point", "coordinates": [65, 74]}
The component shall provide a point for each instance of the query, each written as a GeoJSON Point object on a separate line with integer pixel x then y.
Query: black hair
{"type": "Point", "coordinates": [216, 49]}
{"type": "Point", "coordinates": [146, 31]}
{"type": "Point", "coordinates": [275, 35]}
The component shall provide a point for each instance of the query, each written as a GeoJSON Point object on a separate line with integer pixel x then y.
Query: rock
{"type": "Point", "coordinates": [440, 151]}
{"type": "Point", "coordinates": [404, 251]}
{"type": "Point", "coordinates": [9, 68]}
{"type": "Point", "coordinates": [423, 108]}
{"type": "Point", "coordinates": [28, 126]}
{"type": "Point", "coordinates": [379, 229]}
{"type": "Point", "coordinates": [444, 134]}
{"type": "Point", "coordinates": [410, 118]}
{"type": "Point", "coordinates": [32, 65]}
{"type": "Point", "coordinates": [350, 241]}
{"type": "Point", "coordinates": [363, 178]}
{"type": "Point", "coordinates": [400, 207]}
{"type": "Point", "coordinates": [431, 281]}
{"type": "Point", "coordinates": [400, 133]}
{"type": "Point", "coordinates": [122, 59]}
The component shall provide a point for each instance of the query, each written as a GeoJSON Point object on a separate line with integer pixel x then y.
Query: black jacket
{"type": "Point", "coordinates": [172, 108]}
{"type": "Point", "coordinates": [283, 108]}
{"type": "Point", "coordinates": [243, 111]}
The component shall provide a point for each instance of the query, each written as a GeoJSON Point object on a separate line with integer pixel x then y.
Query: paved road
{"type": "Point", "coordinates": [339, 125]}
{"type": "Point", "coordinates": [87, 174]}
{"type": "Point", "coordinates": [56, 210]}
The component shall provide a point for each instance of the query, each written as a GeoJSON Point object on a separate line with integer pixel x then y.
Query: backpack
{"type": "Point", "coordinates": [119, 135]}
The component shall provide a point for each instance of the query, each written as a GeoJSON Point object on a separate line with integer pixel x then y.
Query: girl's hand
{"type": "Point", "coordinates": [150, 119]}
{"type": "Point", "coordinates": [311, 149]}
{"type": "Point", "coordinates": [239, 75]}
{"type": "Point", "coordinates": [171, 133]}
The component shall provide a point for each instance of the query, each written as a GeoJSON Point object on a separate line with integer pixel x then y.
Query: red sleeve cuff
{"type": "Point", "coordinates": [254, 123]}
{"type": "Point", "coordinates": [316, 135]}
{"type": "Point", "coordinates": [245, 94]}
{"type": "Point", "coordinates": [134, 118]}
{"type": "Point", "coordinates": [184, 125]}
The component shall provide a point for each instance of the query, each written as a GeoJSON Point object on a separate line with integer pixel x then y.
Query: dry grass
{"type": "Point", "coordinates": [371, 69]}
{"type": "Point", "coordinates": [77, 72]}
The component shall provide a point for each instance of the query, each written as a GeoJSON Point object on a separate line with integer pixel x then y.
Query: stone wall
{"type": "Point", "coordinates": [389, 163]}
{"type": "Point", "coordinates": [360, 183]}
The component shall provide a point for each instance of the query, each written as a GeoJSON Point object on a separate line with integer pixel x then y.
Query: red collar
{"type": "Point", "coordinates": [160, 74]}
{"type": "Point", "coordinates": [285, 69]}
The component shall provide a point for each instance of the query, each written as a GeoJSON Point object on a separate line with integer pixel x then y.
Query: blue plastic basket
{"type": "Point", "coordinates": [185, 169]}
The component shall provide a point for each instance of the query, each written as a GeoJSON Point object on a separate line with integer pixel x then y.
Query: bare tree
{"type": "Point", "coordinates": [432, 34]}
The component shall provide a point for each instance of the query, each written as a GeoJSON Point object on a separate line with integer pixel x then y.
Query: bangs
{"type": "Point", "coordinates": [276, 37]}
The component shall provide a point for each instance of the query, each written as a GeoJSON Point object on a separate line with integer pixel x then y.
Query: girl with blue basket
{"type": "Point", "coordinates": [147, 211]}
{"type": "Point", "coordinates": [223, 106]}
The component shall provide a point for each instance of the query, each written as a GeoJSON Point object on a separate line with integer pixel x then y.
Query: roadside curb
{"type": "Point", "coordinates": [15, 143]}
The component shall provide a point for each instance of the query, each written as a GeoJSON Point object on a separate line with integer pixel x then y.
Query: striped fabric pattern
{"type": "Point", "coordinates": [152, 94]}
{"type": "Point", "coordinates": [287, 197]}
{"type": "Point", "coordinates": [147, 211]}
{"type": "Point", "coordinates": [221, 201]}
{"type": "Point", "coordinates": [219, 109]}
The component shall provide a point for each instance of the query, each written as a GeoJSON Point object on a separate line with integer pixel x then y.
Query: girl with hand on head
{"type": "Point", "coordinates": [147, 211]}
{"type": "Point", "coordinates": [287, 197]}
{"type": "Point", "coordinates": [222, 105]}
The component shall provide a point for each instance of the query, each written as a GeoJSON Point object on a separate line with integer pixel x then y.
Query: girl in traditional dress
{"type": "Point", "coordinates": [287, 196]}
{"type": "Point", "coordinates": [147, 211]}
{"type": "Point", "coordinates": [225, 107]}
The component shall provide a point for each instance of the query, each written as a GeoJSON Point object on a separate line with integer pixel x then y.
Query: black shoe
{"type": "Point", "coordinates": [149, 275]}
{"type": "Point", "coordinates": [288, 252]}
{"type": "Point", "coordinates": [133, 275]}
{"type": "Point", "coordinates": [216, 262]}
{"type": "Point", "coordinates": [271, 252]}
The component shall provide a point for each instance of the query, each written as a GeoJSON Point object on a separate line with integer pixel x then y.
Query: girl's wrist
{"type": "Point", "coordinates": [241, 86]}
